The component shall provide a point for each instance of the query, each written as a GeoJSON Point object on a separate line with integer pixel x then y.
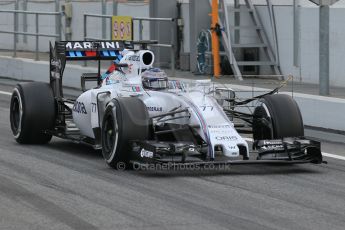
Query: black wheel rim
{"type": "Point", "coordinates": [16, 115]}
{"type": "Point", "coordinates": [262, 124]}
{"type": "Point", "coordinates": [109, 137]}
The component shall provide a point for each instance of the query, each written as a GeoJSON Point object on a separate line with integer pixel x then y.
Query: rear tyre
{"type": "Point", "coordinates": [278, 117]}
{"type": "Point", "coordinates": [32, 113]}
{"type": "Point", "coordinates": [125, 119]}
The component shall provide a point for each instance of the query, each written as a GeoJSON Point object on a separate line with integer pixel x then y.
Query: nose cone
{"type": "Point", "coordinates": [230, 150]}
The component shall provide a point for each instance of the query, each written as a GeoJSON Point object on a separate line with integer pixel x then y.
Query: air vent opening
{"type": "Point", "coordinates": [147, 58]}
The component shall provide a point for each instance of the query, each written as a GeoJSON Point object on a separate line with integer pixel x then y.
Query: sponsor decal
{"type": "Point", "coordinates": [122, 28]}
{"type": "Point", "coordinates": [93, 107]}
{"type": "Point", "coordinates": [133, 58]}
{"type": "Point", "coordinates": [219, 126]}
{"type": "Point", "coordinates": [92, 45]}
{"type": "Point", "coordinates": [226, 138]}
{"type": "Point", "coordinates": [206, 108]}
{"type": "Point", "coordinates": [272, 147]}
{"type": "Point", "coordinates": [55, 62]}
{"type": "Point", "coordinates": [146, 153]}
{"type": "Point", "coordinates": [278, 142]}
{"type": "Point", "coordinates": [55, 74]}
{"type": "Point", "coordinates": [173, 84]}
{"type": "Point", "coordinates": [154, 109]}
{"type": "Point", "coordinates": [136, 89]}
{"type": "Point", "coordinates": [79, 107]}
{"type": "Point", "coordinates": [231, 147]}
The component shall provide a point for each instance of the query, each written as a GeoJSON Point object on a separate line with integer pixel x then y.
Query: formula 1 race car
{"type": "Point", "coordinates": [137, 116]}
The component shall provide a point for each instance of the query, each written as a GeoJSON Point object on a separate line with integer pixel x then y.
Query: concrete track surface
{"type": "Point", "coordinates": [64, 185]}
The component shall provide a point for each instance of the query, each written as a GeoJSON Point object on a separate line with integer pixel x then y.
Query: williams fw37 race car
{"type": "Point", "coordinates": [136, 115]}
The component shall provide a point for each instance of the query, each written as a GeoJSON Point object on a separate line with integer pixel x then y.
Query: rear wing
{"type": "Point", "coordinates": [94, 50]}
{"type": "Point", "coordinates": [91, 50]}
{"type": "Point", "coordinates": [63, 51]}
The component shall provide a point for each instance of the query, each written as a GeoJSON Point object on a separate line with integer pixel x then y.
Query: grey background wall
{"type": "Point", "coordinates": [165, 31]}
{"type": "Point", "coordinates": [199, 19]}
{"type": "Point", "coordinates": [47, 23]}
{"type": "Point", "coordinates": [195, 15]}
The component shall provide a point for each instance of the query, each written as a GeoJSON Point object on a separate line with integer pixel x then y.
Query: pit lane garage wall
{"type": "Point", "coordinates": [307, 70]}
{"type": "Point", "coordinates": [47, 23]}
{"type": "Point", "coordinates": [317, 111]}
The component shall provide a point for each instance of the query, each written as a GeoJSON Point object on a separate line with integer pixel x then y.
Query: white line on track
{"type": "Point", "coordinates": [245, 138]}
{"type": "Point", "coordinates": [6, 93]}
{"type": "Point", "coordinates": [323, 153]}
{"type": "Point", "coordinates": [333, 156]}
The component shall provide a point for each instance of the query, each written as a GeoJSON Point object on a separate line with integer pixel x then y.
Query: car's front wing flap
{"type": "Point", "coordinates": [289, 149]}
{"type": "Point", "coordinates": [282, 151]}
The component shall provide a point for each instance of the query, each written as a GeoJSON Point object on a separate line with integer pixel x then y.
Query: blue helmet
{"type": "Point", "coordinates": [154, 79]}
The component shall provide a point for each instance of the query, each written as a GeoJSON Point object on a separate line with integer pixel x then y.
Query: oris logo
{"type": "Point", "coordinates": [146, 153]}
{"type": "Point", "coordinates": [226, 138]}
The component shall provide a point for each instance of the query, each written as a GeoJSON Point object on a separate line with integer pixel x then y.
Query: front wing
{"type": "Point", "coordinates": [174, 155]}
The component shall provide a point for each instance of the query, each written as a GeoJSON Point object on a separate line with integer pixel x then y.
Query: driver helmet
{"type": "Point", "coordinates": [154, 79]}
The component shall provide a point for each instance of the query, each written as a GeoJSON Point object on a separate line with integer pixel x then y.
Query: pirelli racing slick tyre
{"type": "Point", "coordinates": [125, 119]}
{"type": "Point", "coordinates": [32, 113]}
{"type": "Point", "coordinates": [277, 117]}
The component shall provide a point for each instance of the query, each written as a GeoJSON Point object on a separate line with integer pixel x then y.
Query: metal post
{"type": "Point", "coordinates": [114, 14]}
{"type": "Point", "coordinates": [172, 52]}
{"type": "Point", "coordinates": [228, 34]}
{"type": "Point", "coordinates": [296, 33]}
{"type": "Point", "coordinates": [16, 7]}
{"type": "Point", "coordinates": [274, 30]}
{"type": "Point", "coordinates": [104, 12]}
{"type": "Point", "coordinates": [85, 32]}
{"type": "Point", "coordinates": [324, 50]}
{"type": "Point", "coordinates": [14, 35]}
{"type": "Point", "coordinates": [172, 56]}
{"type": "Point", "coordinates": [37, 37]}
{"type": "Point", "coordinates": [193, 34]}
{"type": "Point", "coordinates": [25, 20]}
{"type": "Point", "coordinates": [215, 39]}
{"type": "Point", "coordinates": [198, 11]}
{"type": "Point", "coordinates": [57, 20]}
{"type": "Point", "coordinates": [68, 22]}
{"type": "Point", "coordinates": [114, 7]}
{"type": "Point", "coordinates": [237, 21]}
{"type": "Point", "coordinates": [140, 30]}
{"type": "Point", "coordinates": [60, 27]}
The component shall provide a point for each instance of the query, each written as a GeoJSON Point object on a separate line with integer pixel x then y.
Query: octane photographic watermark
{"type": "Point", "coordinates": [180, 167]}
{"type": "Point", "coordinates": [121, 166]}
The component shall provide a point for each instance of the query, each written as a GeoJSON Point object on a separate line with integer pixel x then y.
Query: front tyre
{"type": "Point", "coordinates": [32, 113]}
{"type": "Point", "coordinates": [278, 117]}
{"type": "Point", "coordinates": [125, 119]}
